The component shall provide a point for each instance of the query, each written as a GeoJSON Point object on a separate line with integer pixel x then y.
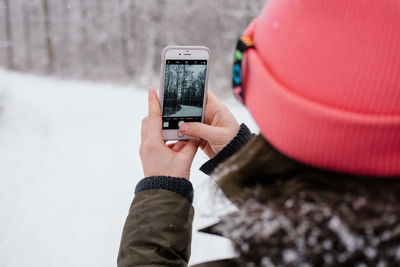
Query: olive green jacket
{"type": "Point", "coordinates": [158, 231]}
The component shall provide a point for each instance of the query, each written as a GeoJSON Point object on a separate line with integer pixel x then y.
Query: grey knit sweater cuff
{"type": "Point", "coordinates": [243, 137]}
{"type": "Point", "coordinates": [180, 186]}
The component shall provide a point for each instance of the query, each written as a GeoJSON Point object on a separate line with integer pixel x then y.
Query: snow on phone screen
{"type": "Point", "coordinates": [184, 84]}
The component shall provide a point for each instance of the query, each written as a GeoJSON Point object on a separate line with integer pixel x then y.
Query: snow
{"type": "Point", "coordinates": [289, 256]}
{"type": "Point", "coordinates": [68, 167]}
{"type": "Point", "coordinates": [348, 239]}
{"type": "Point", "coordinates": [187, 111]}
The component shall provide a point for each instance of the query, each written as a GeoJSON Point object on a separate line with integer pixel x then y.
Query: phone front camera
{"type": "Point", "coordinates": [179, 53]}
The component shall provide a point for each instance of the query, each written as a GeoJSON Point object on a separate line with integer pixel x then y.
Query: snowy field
{"type": "Point", "coordinates": [187, 111]}
{"type": "Point", "coordinates": [69, 164]}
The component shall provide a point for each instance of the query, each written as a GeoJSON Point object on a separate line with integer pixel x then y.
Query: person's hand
{"type": "Point", "coordinates": [159, 159]}
{"type": "Point", "coordinates": [219, 129]}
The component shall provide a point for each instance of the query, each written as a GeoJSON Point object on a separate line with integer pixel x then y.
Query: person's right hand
{"type": "Point", "coordinates": [219, 129]}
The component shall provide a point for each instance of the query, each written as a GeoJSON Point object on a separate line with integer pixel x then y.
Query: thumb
{"type": "Point", "coordinates": [209, 133]}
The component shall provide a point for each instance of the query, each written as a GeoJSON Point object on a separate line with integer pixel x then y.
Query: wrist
{"type": "Point", "coordinates": [242, 138]}
{"type": "Point", "coordinates": [166, 170]}
{"type": "Point", "coordinates": [231, 135]}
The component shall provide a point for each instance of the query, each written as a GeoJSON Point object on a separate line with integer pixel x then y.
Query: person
{"type": "Point", "coordinates": [320, 185]}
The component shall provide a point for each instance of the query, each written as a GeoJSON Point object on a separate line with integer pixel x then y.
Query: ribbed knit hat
{"type": "Point", "coordinates": [323, 82]}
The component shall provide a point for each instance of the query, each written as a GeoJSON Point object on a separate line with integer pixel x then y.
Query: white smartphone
{"type": "Point", "coordinates": [183, 90]}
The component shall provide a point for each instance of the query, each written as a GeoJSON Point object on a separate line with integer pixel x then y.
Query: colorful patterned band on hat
{"type": "Point", "coordinates": [245, 42]}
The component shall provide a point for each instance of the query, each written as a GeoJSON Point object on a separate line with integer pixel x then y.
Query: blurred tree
{"type": "Point", "coordinates": [127, 9]}
{"type": "Point", "coordinates": [48, 37]}
{"type": "Point", "coordinates": [27, 36]}
{"type": "Point", "coordinates": [9, 39]}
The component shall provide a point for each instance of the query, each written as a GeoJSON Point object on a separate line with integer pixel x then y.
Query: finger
{"type": "Point", "coordinates": [152, 128]}
{"type": "Point", "coordinates": [209, 133]}
{"type": "Point", "coordinates": [154, 104]}
{"type": "Point", "coordinates": [190, 148]}
{"type": "Point", "coordinates": [151, 125]}
{"type": "Point", "coordinates": [214, 100]}
{"type": "Point", "coordinates": [203, 144]}
{"type": "Point", "coordinates": [213, 106]}
{"type": "Point", "coordinates": [171, 145]}
{"type": "Point", "coordinates": [178, 146]}
{"type": "Point", "coordinates": [211, 97]}
{"type": "Point", "coordinates": [210, 107]}
{"type": "Point", "coordinates": [143, 129]}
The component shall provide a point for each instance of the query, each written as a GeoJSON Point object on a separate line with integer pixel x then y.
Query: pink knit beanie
{"type": "Point", "coordinates": [323, 82]}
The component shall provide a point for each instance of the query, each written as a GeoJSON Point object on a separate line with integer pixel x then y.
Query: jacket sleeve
{"type": "Point", "coordinates": [158, 229]}
{"type": "Point", "coordinates": [242, 138]}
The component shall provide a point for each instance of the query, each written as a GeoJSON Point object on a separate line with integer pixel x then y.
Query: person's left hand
{"type": "Point", "coordinates": [159, 159]}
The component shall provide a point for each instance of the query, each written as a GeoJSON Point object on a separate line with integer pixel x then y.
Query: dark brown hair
{"type": "Point", "coordinates": [304, 203]}
{"type": "Point", "coordinates": [260, 164]}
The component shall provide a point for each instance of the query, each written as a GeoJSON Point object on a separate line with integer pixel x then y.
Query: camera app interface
{"type": "Point", "coordinates": [183, 92]}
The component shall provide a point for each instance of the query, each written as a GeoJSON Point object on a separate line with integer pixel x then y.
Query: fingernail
{"type": "Point", "coordinates": [183, 127]}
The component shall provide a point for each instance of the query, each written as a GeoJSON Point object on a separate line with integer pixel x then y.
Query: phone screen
{"type": "Point", "coordinates": [184, 84]}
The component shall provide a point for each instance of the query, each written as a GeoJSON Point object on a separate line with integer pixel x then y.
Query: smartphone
{"type": "Point", "coordinates": [183, 90]}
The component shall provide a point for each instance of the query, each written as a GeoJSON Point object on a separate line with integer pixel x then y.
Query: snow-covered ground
{"type": "Point", "coordinates": [187, 111]}
{"type": "Point", "coordinates": [68, 167]}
